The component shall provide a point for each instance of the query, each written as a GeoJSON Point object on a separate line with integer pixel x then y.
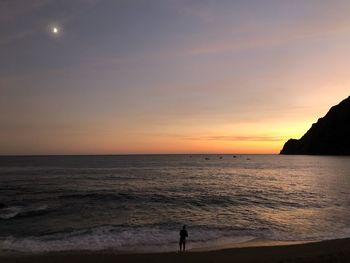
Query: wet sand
{"type": "Point", "coordinates": [325, 251]}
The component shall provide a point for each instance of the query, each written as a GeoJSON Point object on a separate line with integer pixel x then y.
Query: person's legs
{"type": "Point", "coordinates": [182, 245]}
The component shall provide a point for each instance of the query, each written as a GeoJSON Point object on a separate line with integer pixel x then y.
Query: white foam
{"type": "Point", "coordinates": [142, 239]}
{"type": "Point", "coordinates": [13, 211]}
{"type": "Point", "coordinates": [10, 212]}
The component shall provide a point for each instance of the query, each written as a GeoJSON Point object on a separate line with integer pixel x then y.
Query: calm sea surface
{"type": "Point", "coordinates": [139, 203]}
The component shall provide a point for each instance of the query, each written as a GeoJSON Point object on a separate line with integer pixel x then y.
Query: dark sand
{"type": "Point", "coordinates": [326, 251]}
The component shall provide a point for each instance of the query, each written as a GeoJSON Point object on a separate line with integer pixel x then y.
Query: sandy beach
{"type": "Point", "coordinates": [325, 251]}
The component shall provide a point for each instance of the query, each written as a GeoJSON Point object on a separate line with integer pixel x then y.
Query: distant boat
{"type": "Point", "coordinates": [248, 159]}
{"type": "Point", "coordinates": [206, 158]}
{"type": "Point", "coordinates": [234, 156]}
{"type": "Point", "coordinates": [220, 157]}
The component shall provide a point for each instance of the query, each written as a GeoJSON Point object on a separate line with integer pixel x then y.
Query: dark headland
{"type": "Point", "coordinates": [329, 136]}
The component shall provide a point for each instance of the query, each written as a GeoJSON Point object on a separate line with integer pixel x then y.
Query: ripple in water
{"type": "Point", "coordinates": [138, 203]}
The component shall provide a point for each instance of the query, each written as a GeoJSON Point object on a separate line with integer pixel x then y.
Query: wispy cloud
{"type": "Point", "coordinates": [225, 138]}
{"type": "Point", "coordinates": [237, 138]}
{"type": "Point", "coordinates": [10, 9]}
{"type": "Point", "coordinates": [327, 19]}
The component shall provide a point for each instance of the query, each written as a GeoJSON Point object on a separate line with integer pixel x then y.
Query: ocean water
{"type": "Point", "coordinates": [138, 203]}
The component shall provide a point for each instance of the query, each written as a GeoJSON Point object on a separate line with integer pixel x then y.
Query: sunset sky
{"type": "Point", "coordinates": [165, 76]}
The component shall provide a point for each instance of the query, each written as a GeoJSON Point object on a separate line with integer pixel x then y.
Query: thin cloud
{"type": "Point", "coordinates": [9, 9]}
{"type": "Point", "coordinates": [237, 138]}
{"type": "Point", "coordinates": [261, 41]}
{"type": "Point", "coordinates": [326, 20]}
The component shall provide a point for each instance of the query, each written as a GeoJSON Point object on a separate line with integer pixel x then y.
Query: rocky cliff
{"type": "Point", "coordinates": [329, 136]}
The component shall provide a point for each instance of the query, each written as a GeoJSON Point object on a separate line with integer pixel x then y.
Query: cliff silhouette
{"type": "Point", "coordinates": [329, 136]}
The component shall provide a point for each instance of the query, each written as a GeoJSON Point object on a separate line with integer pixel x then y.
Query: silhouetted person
{"type": "Point", "coordinates": [183, 234]}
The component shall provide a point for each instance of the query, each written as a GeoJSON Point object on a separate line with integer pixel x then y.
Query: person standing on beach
{"type": "Point", "coordinates": [183, 235]}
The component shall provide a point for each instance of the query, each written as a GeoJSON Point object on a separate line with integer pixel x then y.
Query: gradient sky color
{"type": "Point", "coordinates": [167, 76]}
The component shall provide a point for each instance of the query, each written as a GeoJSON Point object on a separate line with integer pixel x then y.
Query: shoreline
{"type": "Point", "coordinates": [204, 247]}
{"type": "Point", "coordinates": [256, 242]}
{"type": "Point", "coordinates": [337, 250]}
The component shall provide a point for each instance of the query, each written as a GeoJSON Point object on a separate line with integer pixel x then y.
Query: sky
{"type": "Point", "coordinates": [168, 76]}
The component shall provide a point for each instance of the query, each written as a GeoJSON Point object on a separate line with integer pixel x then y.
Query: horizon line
{"type": "Point", "coordinates": [128, 154]}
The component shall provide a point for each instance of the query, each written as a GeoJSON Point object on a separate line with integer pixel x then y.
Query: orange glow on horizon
{"type": "Point", "coordinates": [168, 88]}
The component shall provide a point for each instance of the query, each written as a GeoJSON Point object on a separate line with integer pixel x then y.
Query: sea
{"type": "Point", "coordinates": [138, 203]}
